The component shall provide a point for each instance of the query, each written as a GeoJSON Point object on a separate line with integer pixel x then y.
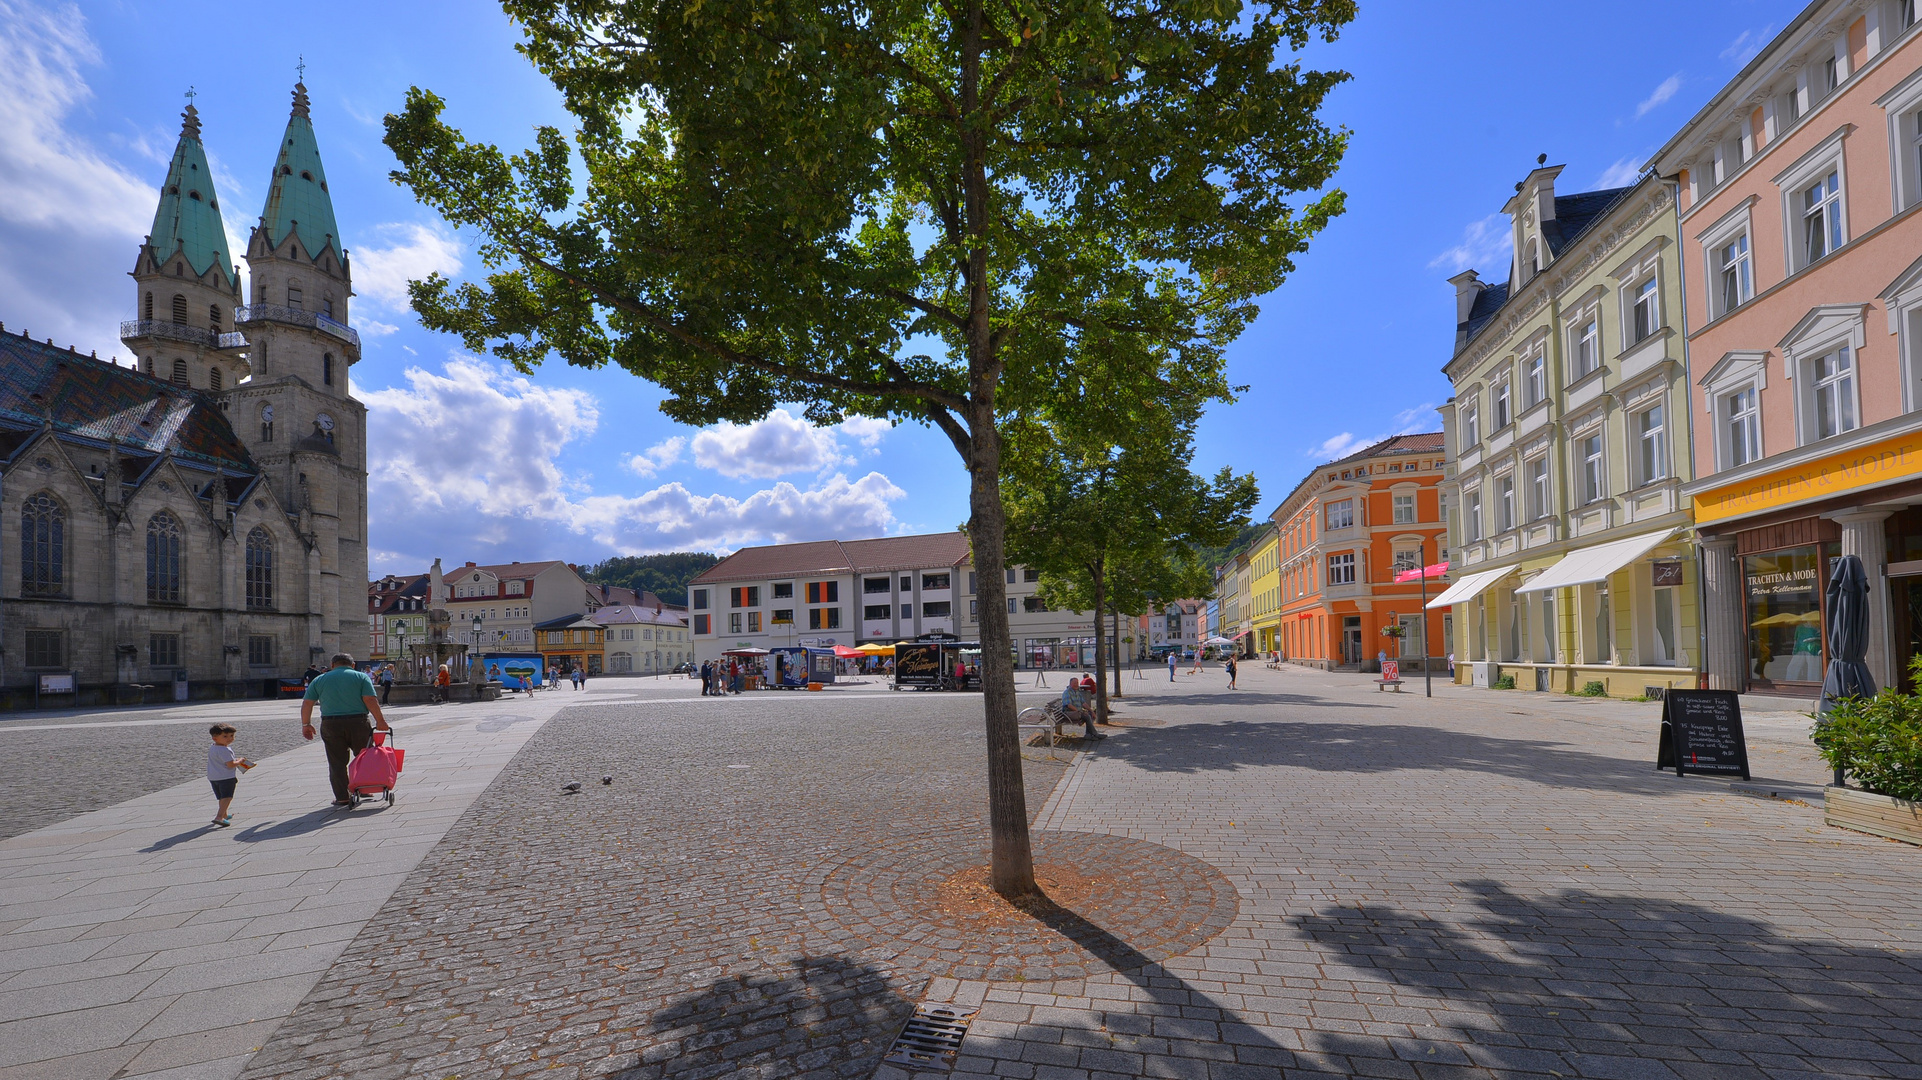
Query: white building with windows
{"type": "Point", "coordinates": [851, 592]}
{"type": "Point", "coordinates": [643, 640]}
{"type": "Point", "coordinates": [1571, 544]}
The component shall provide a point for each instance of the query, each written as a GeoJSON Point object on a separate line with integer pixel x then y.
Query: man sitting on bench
{"type": "Point", "coordinates": [1077, 706]}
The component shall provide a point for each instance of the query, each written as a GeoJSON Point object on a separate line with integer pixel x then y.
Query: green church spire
{"type": "Point", "coordinates": [188, 219]}
{"type": "Point", "coordinates": [297, 200]}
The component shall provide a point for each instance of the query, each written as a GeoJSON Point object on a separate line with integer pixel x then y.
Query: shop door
{"type": "Point", "coordinates": [1351, 640]}
{"type": "Point", "coordinates": [1908, 620]}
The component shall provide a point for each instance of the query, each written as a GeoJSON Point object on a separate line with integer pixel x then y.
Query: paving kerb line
{"type": "Point", "coordinates": [138, 941]}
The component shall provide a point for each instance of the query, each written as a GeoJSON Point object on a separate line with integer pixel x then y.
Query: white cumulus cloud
{"type": "Point", "coordinates": [778, 444]}
{"type": "Point", "coordinates": [1659, 95]}
{"type": "Point", "coordinates": [1486, 243]}
{"type": "Point", "coordinates": [73, 216]}
{"type": "Point", "coordinates": [1621, 174]}
{"type": "Point", "coordinates": [1406, 422]}
{"type": "Point", "coordinates": [1747, 44]}
{"type": "Point", "coordinates": [403, 251]}
{"type": "Point", "coordinates": [467, 465]}
{"type": "Point", "coordinates": [655, 458]}
{"type": "Point", "coordinates": [866, 430]}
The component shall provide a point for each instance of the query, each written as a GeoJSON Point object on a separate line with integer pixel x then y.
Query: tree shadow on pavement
{"type": "Point", "coordinates": [831, 1017]}
{"type": "Point", "coordinates": [1226, 696]}
{"type": "Point", "coordinates": [1585, 984]}
{"type": "Point", "coordinates": [1379, 748]}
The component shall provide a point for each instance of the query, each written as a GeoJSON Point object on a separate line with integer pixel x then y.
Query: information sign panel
{"type": "Point", "coordinates": [1702, 733]}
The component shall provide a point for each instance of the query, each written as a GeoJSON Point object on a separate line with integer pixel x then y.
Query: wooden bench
{"type": "Point", "coordinates": [1385, 684]}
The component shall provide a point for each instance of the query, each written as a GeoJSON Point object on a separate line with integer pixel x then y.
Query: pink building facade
{"type": "Point", "coordinates": [1798, 189]}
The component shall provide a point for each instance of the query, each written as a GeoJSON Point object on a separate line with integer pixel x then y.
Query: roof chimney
{"type": "Point", "coordinates": [470, 562]}
{"type": "Point", "coordinates": [1468, 288]}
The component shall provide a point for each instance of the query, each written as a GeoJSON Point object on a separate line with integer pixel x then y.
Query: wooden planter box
{"type": "Point", "coordinates": [1864, 811]}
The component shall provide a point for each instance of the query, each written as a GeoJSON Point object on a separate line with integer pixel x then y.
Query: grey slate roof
{"type": "Point", "coordinates": [1574, 215]}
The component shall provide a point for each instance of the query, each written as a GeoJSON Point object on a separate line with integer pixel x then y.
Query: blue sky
{"type": "Point", "coordinates": [1450, 104]}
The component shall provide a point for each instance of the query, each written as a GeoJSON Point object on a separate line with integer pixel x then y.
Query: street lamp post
{"type": "Point", "coordinates": [475, 659]}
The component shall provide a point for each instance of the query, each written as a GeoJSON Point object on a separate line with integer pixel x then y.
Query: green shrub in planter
{"type": "Point", "coordinates": [1877, 740]}
{"type": "Point", "coordinates": [1593, 688]}
{"type": "Point", "coordinates": [1506, 682]}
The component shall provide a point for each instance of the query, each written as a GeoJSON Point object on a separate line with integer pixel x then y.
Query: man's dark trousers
{"type": "Point", "coordinates": [343, 736]}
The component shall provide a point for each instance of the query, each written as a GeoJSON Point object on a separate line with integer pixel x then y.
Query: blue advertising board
{"type": "Point", "coordinates": [514, 671]}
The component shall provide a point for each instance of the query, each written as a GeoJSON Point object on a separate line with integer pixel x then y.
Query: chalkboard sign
{"type": "Point", "coordinates": [1702, 733]}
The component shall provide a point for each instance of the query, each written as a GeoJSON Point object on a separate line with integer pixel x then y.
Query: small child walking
{"type": "Point", "coordinates": [223, 770]}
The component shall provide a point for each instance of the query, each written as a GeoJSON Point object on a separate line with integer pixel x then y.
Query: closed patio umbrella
{"type": "Point", "coordinates": [1848, 636]}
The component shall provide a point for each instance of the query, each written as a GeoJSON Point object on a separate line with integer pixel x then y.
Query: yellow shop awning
{"type": "Point", "coordinates": [1592, 564]}
{"type": "Point", "coordinates": [1469, 587]}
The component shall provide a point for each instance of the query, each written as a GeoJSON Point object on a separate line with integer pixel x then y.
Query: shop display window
{"type": "Point", "coordinates": [1785, 614]}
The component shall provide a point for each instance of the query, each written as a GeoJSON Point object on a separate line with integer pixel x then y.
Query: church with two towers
{"type": "Point", "coordinates": [194, 523]}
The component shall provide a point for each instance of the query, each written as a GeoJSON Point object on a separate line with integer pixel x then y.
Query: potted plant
{"type": "Point", "coordinates": [1877, 743]}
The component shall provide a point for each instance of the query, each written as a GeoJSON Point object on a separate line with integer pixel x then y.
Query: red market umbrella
{"type": "Point", "coordinates": [846, 653]}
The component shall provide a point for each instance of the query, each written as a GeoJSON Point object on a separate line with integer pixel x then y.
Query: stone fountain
{"type": "Point", "coordinates": [414, 677]}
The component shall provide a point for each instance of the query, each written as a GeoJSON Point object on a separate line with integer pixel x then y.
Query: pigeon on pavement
{"type": "Point", "coordinates": [606, 780]}
{"type": "Point", "coordinates": [572, 786]}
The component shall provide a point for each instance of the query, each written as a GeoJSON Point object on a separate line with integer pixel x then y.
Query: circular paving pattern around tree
{"type": "Point", "coordinates": [1112, 904]}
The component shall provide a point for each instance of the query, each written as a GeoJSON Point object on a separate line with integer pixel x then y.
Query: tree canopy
{"type": "Point", "coordinates": [923, 210]}
{"type": "Point", "coordinates": [665, 574]}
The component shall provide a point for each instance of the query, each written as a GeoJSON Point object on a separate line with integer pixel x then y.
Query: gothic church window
{"type": "Point", "coordinates": [43, 546]}
{"type": "Point", "coordinates": [146, 307]}
{"type": "Point", "coordinates": [180, 310]}
{"type": "Point", "coordinates": [213, 380]}
{"type": "Point", "coordinates": [180, 372]}
{"type": "Point", "coordinates": [293, 297]}
{"type": "Point", "coordinates": [327, 368]}
{"type": "Point", "coordinates": [213, 317]}
{"type": "Point", "coordinates": [260, 570]}
{"type": "Point", "coordinates": [163, 559]}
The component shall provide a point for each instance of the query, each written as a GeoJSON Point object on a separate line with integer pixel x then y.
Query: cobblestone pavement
{"type": "Point", "coordinates": [56, 765]}
{"type": "Point", "coordinates": [1486, 884]}
{"type": "Point", "coordinates": [671, 923]}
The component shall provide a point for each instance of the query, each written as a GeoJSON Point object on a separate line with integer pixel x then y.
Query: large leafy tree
{"type": "Point", "coordinates": [910, 209]}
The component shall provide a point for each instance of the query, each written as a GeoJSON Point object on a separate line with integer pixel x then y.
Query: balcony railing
{"type": "Point", "coordinates": [171, 331]}
{"type": "Point", "coordinates": [296, 317]}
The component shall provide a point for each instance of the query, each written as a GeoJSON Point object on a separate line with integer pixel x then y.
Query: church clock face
{"type": "Point", "coordinates": [266, 414]}
{"type": "Point", "coordinates": [326, 423]}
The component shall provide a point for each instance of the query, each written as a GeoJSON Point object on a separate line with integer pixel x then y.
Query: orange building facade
{"type": "Point", "coordinates": [1345, 531]}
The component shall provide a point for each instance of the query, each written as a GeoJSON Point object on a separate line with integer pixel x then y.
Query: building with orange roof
{"type": "Point", "coordinates": [1341, 536]}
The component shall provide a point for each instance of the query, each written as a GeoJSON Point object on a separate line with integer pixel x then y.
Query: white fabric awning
{"type": "Point", "coordinates": [1469, 587]}
{"type": "Point", "coordinates": [1594, 564]}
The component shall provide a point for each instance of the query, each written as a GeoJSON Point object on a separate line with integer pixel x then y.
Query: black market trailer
{"type": "Point", "coordinates": [925, 664]}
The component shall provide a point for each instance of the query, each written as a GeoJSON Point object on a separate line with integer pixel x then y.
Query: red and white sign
{"type": "Point", "coordinates": [1391, 670]}
{"type": "Point", "coordinates": [1433, 570]}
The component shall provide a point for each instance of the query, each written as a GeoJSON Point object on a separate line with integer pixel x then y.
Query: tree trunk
{"type": "Point", "coordinates": [1100, 652]}
{"type": "Point", "coordinates": [1012, 864]}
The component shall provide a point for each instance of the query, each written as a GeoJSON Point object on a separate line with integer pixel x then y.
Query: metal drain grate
{"type": "Point", "coordinates": [931, 1038]}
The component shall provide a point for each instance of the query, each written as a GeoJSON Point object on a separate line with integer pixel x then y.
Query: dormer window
{"type": "Point", "coordinates": [1534, 257]}
{"type": "Point", "coordinates": [194, 195]}
{"type": "Point", "coordinates": [307, 176]}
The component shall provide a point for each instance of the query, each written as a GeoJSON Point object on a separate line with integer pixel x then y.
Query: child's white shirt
{"type": "Point", "coordinates": [220, 762]}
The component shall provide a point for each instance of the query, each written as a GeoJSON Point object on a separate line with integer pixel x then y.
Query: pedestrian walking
{"type": "Point", "coordinates": [386, 682]}
{"type": "Point", "coordinates": [1172, 661]}
{"type": "Point", "coordinates": [575, 677]}
{"type": "Point", "coordinates": [345, 697]}
{"type": "Point", "coordinates": [1231, 672]}
{"type": "Point", "coordinates": [707, 677]}
{"type": "Point", "coordinates": [307, 677]}
{"type": "Point", "coordinates": [223, 771]}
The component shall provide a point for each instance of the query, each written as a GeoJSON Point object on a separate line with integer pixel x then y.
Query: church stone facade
{"type": "Point", "coordinates": [199, 516]}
